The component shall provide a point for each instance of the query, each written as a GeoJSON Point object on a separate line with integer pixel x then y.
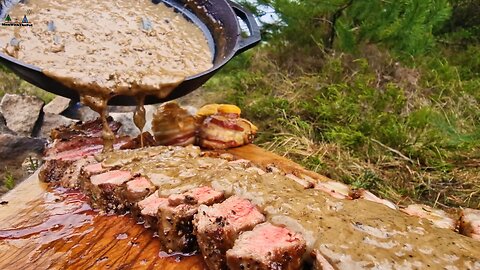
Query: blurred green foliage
{"type": "Point", "coordinates": [392, 103]}
{"type": "Point", "coordinates": [404, 26]}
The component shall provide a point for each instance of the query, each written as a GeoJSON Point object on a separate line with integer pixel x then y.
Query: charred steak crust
{"type": "Point", "coordinates": [218, 226]}
{"type": "Point", "coordinates": [175, 218]}
{"type": "Point", "coordinates": [104, 190]}
{"type": "Point", "coordinates": [146, 210]}
{"type": "Point", "coordinates": [91, 128]}
{"type": "Point", "coordinates": [176, 229]}
{"type": "Point", "coordinates": [53, 170]}
{"type": "Point", "coordinates": [72, 176]}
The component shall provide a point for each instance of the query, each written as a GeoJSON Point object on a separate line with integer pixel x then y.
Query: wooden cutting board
{"type": "Point", "coordinates": [41, 228]}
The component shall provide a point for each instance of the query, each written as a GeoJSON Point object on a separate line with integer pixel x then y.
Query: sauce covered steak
{"type": "Point", "coordinates": [240, 216]}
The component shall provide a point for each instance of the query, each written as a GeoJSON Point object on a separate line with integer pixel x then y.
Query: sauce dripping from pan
{"type": "Point", "coordinates": [133, 48]}
{"type": "Point", "coordinates": [139, 116]}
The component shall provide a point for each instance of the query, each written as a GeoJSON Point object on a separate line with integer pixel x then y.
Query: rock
{"type": "Point", "coordinates": [3, 126]}
{"type": "Point", "coordinates": [121, 109]}
{"type": "Point", "coordinates": [17, 150]}
{"type": "Point", "coordinates": [128, 126]}
{"type": "Point", "coordinates": [51, 121]}
{"type": "Point", "coordinates": [21, 112]}
{"type": "Point", "coordinates": [86, 114]}
{"type": "Point", "coordinates": [14, 147]}
{"type": "Point", "coordinates": [58, 105]}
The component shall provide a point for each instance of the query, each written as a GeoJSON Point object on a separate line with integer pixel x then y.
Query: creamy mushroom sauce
{"type": "Point", "coordinates": [108, 48]}
{"type": "Point", "coordinates": [352, 234]}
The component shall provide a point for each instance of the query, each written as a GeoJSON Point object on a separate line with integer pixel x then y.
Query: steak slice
{"type": "Point", "coordinates": [104, 189]}
{"type": "Point", "coordinates": [88, 171]}
{"type": "Point", "coordinates": [53, 170]}
{"type": "Point", "coordinates": [92, 169]}
{"type": "Point", "coordinates": [303, 182]}
{"type": "Point", "coordinates": [72, 176]}
{"type": "Point", "coordinates": [59, 165]}
{"type": "Point", "coordinates": [76, 154]}
{"type": "Point", "coordinates": [90, 128]}
{"type": "Point", "coordinates": [175, 219]}
{"type": "Point", "coordinates": [470, 223]}
{"type": "Point", "coordinates": [335, 189]}
{"type": "Point", "coordinates": [136, 190]}
{"type": "Point", "coordinates": [439, 218]}
{"type": "Point", "coordinates": [218, 226]}
{"type": "Point", "coordinates": [136, 142]}
{"type": "Point", "coordinates": [147, 209]}
{"type": "Point", "coordinates": [367, 195]}
{"type": "Point", "coordinates": [76, 143]}
{"type": "Point", "coordinates": [267, 247]}
{"type": "Point", "coordinates": [84, 149]}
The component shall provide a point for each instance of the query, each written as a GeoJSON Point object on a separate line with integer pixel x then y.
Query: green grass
{"type": "Point", "coordinates": [12, 84]}
{"type": "Point", "coordinates": [9, 180]}
{"type": "Point", "coordinates": [32, 165]}
{"type": "Point", "coordinates": [407, 133]}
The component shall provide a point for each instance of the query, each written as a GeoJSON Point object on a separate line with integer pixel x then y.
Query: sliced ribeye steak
{"type": "Point", "coordinates": [470, 223]}
{"type": "Point", "coordinates": [104, 189]}
{"type": "Point", "coordinates": [218, 226]}
{"type": "Point", "coordinates": [267, 247]}
{"type": "Point", "coordinates": [175, 218]}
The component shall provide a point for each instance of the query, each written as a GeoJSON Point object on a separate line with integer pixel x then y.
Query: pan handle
{"type": "Point", "coordinates": [246, 43]}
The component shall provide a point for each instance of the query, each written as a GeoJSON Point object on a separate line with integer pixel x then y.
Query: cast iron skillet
{"type": "Point", "coordinates": [217, 19]}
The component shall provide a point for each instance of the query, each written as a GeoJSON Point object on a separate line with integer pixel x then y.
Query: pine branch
{"type": "Point", "coordinates": [333, 21]}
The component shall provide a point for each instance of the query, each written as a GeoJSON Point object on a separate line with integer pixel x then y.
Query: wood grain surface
{"type": "Point", "coordinates": [44, 228]}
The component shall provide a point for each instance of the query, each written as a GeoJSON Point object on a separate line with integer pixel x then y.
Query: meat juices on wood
{"type": "Point", "coordinates": [103, 49]}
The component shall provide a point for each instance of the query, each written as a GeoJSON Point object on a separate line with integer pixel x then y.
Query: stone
{"type": "Point", "coordinates": [14, 147]}
{"type": "Point", "coordinates": [16, 151]}
{"type": "Point", "coordinates": [128, 127]}
{"type": "Point", "coordinates": [3, 126]}
{"type": "Point", "coordinates": [21, 112]}
{"type": "Point", "coordinates": [121, 109]}
{"type": "Point", "coordinates": [86, 114]}
{"type": "Point", "coordinates": [51, 121]}
{"type": "Point", "coordinates": [58, 105]}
